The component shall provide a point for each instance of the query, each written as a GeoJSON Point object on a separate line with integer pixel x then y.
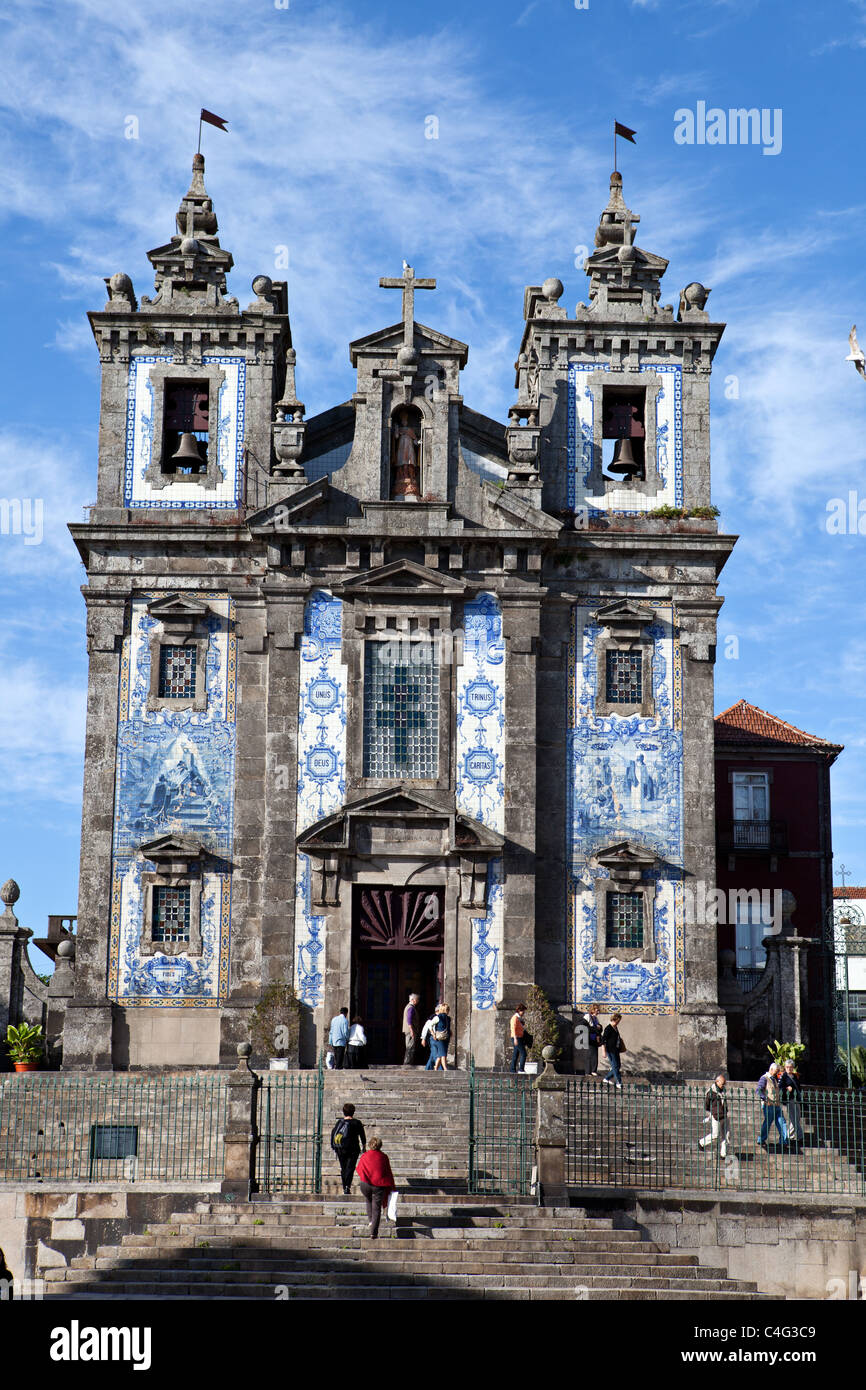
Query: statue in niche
{"type": "Point", "coordinates": [405, 455]}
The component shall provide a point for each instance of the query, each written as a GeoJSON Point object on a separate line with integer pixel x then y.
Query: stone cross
{"type": "Point", "coordinates": [408, 284]}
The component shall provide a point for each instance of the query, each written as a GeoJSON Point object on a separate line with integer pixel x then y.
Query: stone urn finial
{"type": "Point", "coordinates": [10, 892]}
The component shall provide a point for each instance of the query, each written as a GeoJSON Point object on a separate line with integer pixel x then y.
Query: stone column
{"type": "Point", "coordinates": [520, 628]}
{"type": "Point", "coordinates": [551, 1135]}
{"type": "Point", "coordinates": [241, 1132]}
{"type": "Point", "coordinates": [88, 1026]}
{"type": "Point", "coordinates": [701, 1022]}
{"type": "Point", "coordinates": [10, 933]}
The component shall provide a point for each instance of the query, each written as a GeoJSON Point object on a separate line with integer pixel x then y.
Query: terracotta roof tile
{"type": "Point", "coordinates": [849, 892]}
{"type": "Point", "coordinates": [745, 723]}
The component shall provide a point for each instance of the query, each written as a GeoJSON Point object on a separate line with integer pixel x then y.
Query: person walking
{"type": "Point", "coordinates": [768, 1091]}
{"type": "Point", "coordinates": [791, 1096]}
{"type": "Point", "coordinates": [716, 1105]}
{"type": "Point", "coordinates": [613, 1046]}
{"type": "Point", "coordinates": [441, 1038]}
{"type": "Point", "coordinates": [518, 1038]}
{"type": "Point", "coordinates": [357, 1053]}
{"type": "Point", "coordinates": [377, 1182]}
{"type": "Point", "coordinates": [594, 1028]}
{"type": "Point", "coordinates": [338, 1036]}
{"type": "Point", "coordinates": [348, 1140]}
{"type": "Point", "coordinates": [410, 1029]}
{"type": "Point", "coordinates": [427, 1037]}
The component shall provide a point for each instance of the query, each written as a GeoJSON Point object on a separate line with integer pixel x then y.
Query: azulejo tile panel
{"type": "Point", "coordinates": [175, 773]}
{"type": "Point", "coordinates": [480, 779]}
{"type": "Point", "coordinates": [626, 783]}
{"type": "Point", "coordinates": [669, 442]}
{"type": "Point", "coordinates": [321, 768]}
{"type": "Point", "coordinates": [140, 442]}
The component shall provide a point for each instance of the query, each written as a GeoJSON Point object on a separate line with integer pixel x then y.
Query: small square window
{"type": "Point", "coordinates": [624, 927]}
{"type": "Point", "coordinates": [171, 913]}
{"type": "Point", "coordinates": [624, 684]}
{"type": "Point", "coordinates": [177, 667]}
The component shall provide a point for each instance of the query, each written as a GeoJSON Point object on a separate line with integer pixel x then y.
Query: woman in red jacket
{"type": "Point", "coordinates": [376, 1182]}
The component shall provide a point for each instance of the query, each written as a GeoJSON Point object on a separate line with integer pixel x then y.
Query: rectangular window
{"type": "Point", "coordinates": [751, 930]}
{"type": "Point", "coordinates": [401, 710]}
{"type": "Point", "coordinates": [170, 913]}
{"type": "Point", "coordinates": [625, 921]}
{"type": "Point", "coordinates": [177, 673]}
{"type": "Point", "coordinates": [185, 427]}
{"type": "Point", "coordinates": [624, 678]}
{"type": "Point", "coordinates": [751, 809]}
{"type": "Point", "coordinates": [856, 1005]}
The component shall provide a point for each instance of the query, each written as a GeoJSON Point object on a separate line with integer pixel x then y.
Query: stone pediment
{"type": "Point", "coordinates": [625, 616]}
{"type": "Point", "coordinates": [387, 340]}
{"type": "Point", "coordinates": [174, 606]}
{"type": "Point", "coordinates": [279, 517]}
{"type": "Point", "coordinates": [609, 256]}
{"type": "Point", "coordinates": [172, 849]}
{"type": "Point", "coordinates": [400, 821]}
{"type": "Point", "coordinates": [624, 861]}
{"type": "Point", "coordinates": [401, 578]}
{"type": "Point", "coordinates": [517, 512]}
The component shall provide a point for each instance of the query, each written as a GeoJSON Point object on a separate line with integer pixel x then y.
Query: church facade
{"type": "Point", "coordinates": [398, 697]}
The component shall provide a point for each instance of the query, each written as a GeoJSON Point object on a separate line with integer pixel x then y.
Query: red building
{"type": "Point", "coordinates": [773, 836]}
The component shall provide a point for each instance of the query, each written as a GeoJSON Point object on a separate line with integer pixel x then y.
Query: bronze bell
{"type": "Point", "coordinates": [187, 451]}
{"type": "Point", "coordinates": [623, 460]}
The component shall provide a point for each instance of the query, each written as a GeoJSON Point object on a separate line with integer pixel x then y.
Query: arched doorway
{"type": "Point", "coordinates": [398, 939]}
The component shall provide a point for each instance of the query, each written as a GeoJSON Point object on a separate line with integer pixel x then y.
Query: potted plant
{"type": "Point", "coordinates": [25, 1044]}
{"type": "Point", "coordinates": [275, 1026]}
{"type": "Point", "coordinates": [541, 1021]}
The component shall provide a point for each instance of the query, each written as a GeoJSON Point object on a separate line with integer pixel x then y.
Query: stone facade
{"type": "Point", "coordinates": [359, 711]}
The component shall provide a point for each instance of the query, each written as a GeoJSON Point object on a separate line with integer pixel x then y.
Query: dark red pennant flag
{"type": "Point", "coordinates": [218, 121]}
{"type": "Point", "coordinates": [624, 131]}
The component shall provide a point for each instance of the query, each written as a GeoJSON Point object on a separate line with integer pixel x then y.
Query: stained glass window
{"type": "Point", "coordinates": [624, 678]}
{"type": "Point", "coordinates": [177, 673]}
{"type": "Point", "coordinates": [625, 920]}
{"type": "Point", "coordinates": [401, 710]}
{"type": "Point", "coordinates": [170, 913]}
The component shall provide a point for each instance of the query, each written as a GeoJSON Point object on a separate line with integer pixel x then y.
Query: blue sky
{"type": "Point", "coordinates": [327, 155]}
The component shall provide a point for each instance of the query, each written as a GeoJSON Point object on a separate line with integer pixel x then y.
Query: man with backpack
{"type": "Point", "coordinates": [347, 1140]}
{"type": "Point", "coordinates": [716, 1106]}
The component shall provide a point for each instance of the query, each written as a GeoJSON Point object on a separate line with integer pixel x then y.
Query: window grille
{"type": "Point", "coordinates": [624, 678]}
{"type": "Point", "coordinates": [401, 710]}
{"type": "Point", "coordinates": [171, 913]}
{"type": "Point", "coordinates": [625, 920]}
{"type": "Point", "coordinates": [177, 673]}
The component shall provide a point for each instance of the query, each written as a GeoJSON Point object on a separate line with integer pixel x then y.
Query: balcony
{"type": "Point", "coordinates": [752, 836]}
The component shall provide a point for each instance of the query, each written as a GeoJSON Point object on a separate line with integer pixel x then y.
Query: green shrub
{"type": "Point", "coordinates": [275, 1024]}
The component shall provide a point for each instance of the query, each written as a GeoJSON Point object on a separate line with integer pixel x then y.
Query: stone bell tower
{"type": "Point", "coordinates": [620, 392]}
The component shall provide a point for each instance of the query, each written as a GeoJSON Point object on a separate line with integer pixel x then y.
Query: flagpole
{"type": "Point", "coordinates": [614, 145]}
{"type": "Point", "coordinates": [198, 151]}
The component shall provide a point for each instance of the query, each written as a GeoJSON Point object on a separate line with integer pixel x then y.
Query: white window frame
{"type": "Point", "coordinates": [751, 783]}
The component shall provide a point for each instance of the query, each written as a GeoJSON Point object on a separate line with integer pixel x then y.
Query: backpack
{"type": "Point", "coordinates": [341, 1135]}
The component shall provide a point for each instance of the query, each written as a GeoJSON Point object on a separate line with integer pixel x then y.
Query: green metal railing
{"type": "Point", "coordinates": [501, 1132]}
{"type": "Point", "coordinates": [121, 1128]}
{"type": "Point", "coordinates": [289, 1109]}
{"type": "Point", "coordinates": [650, 1136]}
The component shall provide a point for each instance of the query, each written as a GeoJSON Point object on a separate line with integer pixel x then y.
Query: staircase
{"type": "Point", "coordinates": [421, 1117]}
{"type": "Point", "coordinates": [444, 1246]}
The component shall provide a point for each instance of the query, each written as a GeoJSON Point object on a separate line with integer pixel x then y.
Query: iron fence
{"type": "Point", "coordinates": [289, 1124]}
{"type": "Point", "coordinates": [501, 1132]}
{"type": "Point", "coordinates": [662, 1136]}
{"type": "Point", "coordinates": [98, 1129]}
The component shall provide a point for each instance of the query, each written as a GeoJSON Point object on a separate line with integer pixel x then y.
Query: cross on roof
{"type": "Point", "coordinates": [408, 284]}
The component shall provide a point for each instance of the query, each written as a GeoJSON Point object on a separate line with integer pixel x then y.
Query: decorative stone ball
{"type": "Point", "coordinates": [120, 284]}
{"type": "Point", "coordinates": [245, 1050]}
{"type": "Point", "coordinates": [10, 892]}
{"type": "Point", "coordinates": [406, 356]}
{"type": "Point", "coordinates": [548, 1053]}
{"type": "Point", "coordinates": [625, 254]}
{"type": "Point", "coordinates": [696, 295]}
{"type": "Point", "coordinates": [66, 949]}
{"type": "Point", "coordinates": [188, 246]}
{"type": "Point", "coordinates": [552, 289]}
{"type": "Point", "coordinates": [262, 286]}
